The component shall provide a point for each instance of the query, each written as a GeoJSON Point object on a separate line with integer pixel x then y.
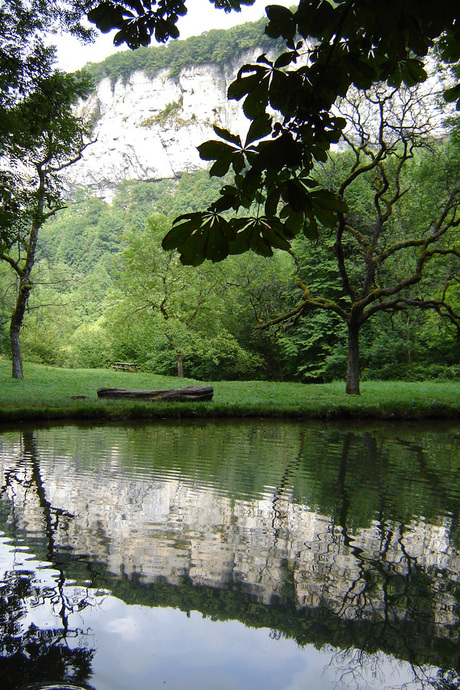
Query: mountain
{"type": "Point", "coordinates": [151, 108]}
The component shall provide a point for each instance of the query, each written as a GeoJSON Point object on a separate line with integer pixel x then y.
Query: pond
{"type": "Point", "coordinates": [230, 556]}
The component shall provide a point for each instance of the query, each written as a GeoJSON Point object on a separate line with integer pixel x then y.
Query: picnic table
{"type": "Point", "coordinates": [125, 366]}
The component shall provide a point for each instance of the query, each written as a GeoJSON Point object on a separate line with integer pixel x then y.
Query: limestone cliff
{"type": "Point", "coordinates": [148, 127]}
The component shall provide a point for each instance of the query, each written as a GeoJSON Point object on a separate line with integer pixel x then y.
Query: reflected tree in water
{"type": "Point", "coordinates": [35, 655]}
{"type": "Point", "coordinates": [28, 653]}
{"type": "Point", "coordinates": [396, 600]}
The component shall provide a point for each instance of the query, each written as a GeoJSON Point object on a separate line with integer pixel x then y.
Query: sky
{"type": "Point", "coordinates": [201, 16]}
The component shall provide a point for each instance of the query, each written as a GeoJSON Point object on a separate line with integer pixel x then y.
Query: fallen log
{"type": "Point", "coordinates": [187, 394]}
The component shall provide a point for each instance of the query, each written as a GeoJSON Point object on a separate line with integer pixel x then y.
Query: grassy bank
{"type": "Point", "coordinates": [50, 393]}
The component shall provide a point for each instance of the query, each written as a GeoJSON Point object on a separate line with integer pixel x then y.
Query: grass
{"type": "Point", "coordinates": [48, 393]}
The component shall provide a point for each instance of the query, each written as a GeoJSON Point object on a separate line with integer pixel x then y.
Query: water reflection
{"type": "Point", "coordinates": [330, 554]}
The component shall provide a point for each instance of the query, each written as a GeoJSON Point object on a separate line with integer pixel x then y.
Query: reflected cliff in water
{"type": "Point", "coordinates": [342, 539]}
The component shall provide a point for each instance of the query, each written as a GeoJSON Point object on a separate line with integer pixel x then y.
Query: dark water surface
{"type": "Point", "coordinates": [230, 556]}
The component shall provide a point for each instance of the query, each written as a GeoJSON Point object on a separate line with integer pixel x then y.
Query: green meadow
{"type": "Point", "coordinates": [50, 393]}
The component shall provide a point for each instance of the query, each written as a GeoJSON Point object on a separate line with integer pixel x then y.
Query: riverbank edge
{"type": "Point", "coordinates": [203, 411]}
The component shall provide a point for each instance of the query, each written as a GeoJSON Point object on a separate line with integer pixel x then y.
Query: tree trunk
{"type": "Point", "coordinates": [15, 328]}
{"type": "Point", "coordinates": [178, 353]}
{"type": "Point", "coordinates": [16, 357]}
{"type": "Point", "coordinates": [352, 387]}
{"type": "Point", "coordinates": [23, 295]}
{"type": "Point", "coordinates": [180, 365]}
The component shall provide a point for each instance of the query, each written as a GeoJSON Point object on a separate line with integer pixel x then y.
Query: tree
{"type": "Point", "coordinates": [153, 285]}
{"type": "Point", "coordinates": [331, 47]}
{"type": "Point", "coordinates": [31, 652]}
{"type": "Point", "coordinates": [393, 250]}
{"type": "Point", "coordinates": [170, 316]}
{"type": "Point", "coordinates": [27, 79]}
{"type": "Point", "coordinates": [48, 137]}
{"type": "Point", "coordinates": [289, 103]}
{"type": "Point", "coordinates": [23, 53]}
{"type": "Point", "coordinates": [25, 59]}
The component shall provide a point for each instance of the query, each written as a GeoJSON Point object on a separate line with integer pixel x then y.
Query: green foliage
{"type": "Point", "coordinates": [399, 344]}
{"type": "Point", "coordinates": [107, 316]}
{"type": "Point", "coordinates": [89, 346]}
{"type": "Point", "coordinates": [315, 351]}
{"type": "Point", "coordinates": [411, 347]}
{"type": "Point", "coordinates": [48, 136]}
{"type": "Point", "coordinates": [167, 312]}
{"type": "Point", "coordinates": [169, 111]}
{"type": "Point", "coordinates": [136, 201]}
{"type": "Point", "coordinates": [216, 46]}
{"type": "Point", "coordinates": [101, 269]}
{"type": "Point", "coordinates": [289, 102]}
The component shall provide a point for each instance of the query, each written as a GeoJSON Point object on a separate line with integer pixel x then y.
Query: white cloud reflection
{"type": "Point", "coordinates": [146, 648]}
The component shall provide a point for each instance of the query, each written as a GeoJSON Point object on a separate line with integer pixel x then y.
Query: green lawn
{"type": "Point", "coordinates": [47, 393]}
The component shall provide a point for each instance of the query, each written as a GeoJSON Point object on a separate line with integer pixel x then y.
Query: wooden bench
{"type": "Point", "coordinates": [125, 366]}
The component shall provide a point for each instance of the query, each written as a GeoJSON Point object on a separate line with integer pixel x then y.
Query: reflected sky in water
{"type": "Point", "coordinates": [144, 648]}
{"type": "Point", "coordinates": [224, 556]}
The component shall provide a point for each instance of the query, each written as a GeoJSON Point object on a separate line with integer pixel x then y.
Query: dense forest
{"type": "Point", "coordinates": [104, 290]}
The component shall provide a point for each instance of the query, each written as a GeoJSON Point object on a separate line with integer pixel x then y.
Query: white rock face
{"type": "Point", "coordinates": [149, 127]}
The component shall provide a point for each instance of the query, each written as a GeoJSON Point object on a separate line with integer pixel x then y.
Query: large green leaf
{"type": "Point", "coordinates": [273, 234]}
{"type": "Point", "coordinates": [241, 242]}
{"type": "Point", "coordinates": [297, 196]}
{"type": "Point", "coordinates": [452, 94]}
{"type": "Point", "coordinates": [106, 16]}
{"type": "Point", "coordinates": [271, 202]}
{"type": "Point", "coordinates": [228, 136]}
{"type": "Point", "coordinates": [294, 224]}
{"type": "Point", "coordinates": [193, 251]}
{"type": "Point", "coordinates": [283, 87]}
{"type": "Point", "coordinates": [323, 198]}
{"type": "Point", "coordinates": [181, 231]}
{"type": "Point", "coordinates": [450, 47]}
{"type": "Point", "coordinates": [259, 128]}
{"type": "Point", "coordinates": [286, 59]}
{"type": "Point", "coordinates": [256, 101]}
{"type": "Point", "coordinates": [244, 85]}
{"type": "Point", "coordinates": [213, 150]}
{"type": "Point", "coordinates": [220, 167]}
{"type": "Point", "coordinates": [310, 230]}
{"type": "Point", "coordinates": [282, 22]}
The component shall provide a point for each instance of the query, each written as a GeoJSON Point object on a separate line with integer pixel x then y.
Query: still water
{"type": "Point", "coordinates": [230, 556]}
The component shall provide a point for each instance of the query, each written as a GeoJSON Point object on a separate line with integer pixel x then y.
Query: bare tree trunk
{"type": "Point", "coordinates": [352, 386]}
